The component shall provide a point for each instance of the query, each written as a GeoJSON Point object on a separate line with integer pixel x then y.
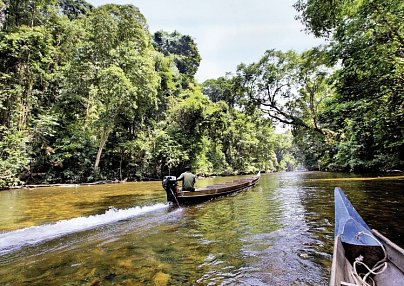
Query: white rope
{"type": "Point", "coordinates": [343, 283]}
{"type": "Point", "coordinates": [378, 268]}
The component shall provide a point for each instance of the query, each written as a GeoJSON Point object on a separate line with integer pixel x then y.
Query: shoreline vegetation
{"type": "Point", "coordinates": [102, 182]}
{"type": "Point", "coordinates": [388, 175]}
{"type": "Point", "coordinates": [90, 94]}
{"type": "Point", "coordinates": [34, 186]}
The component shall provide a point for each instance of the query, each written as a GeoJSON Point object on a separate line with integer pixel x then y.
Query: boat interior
{"type": "Point", "coordinates": [389, 273]}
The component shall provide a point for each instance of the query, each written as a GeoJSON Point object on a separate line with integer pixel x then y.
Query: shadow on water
{"type": "Point", "coordinates": [278, 233]}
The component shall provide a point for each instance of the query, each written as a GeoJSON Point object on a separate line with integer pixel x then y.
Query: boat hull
{"type": "Point", "coordinates": [175, 197]}
{"type": "Point", "coordinates": [349, 245]}
{"type": "Point", "coordinates": [212, 192]}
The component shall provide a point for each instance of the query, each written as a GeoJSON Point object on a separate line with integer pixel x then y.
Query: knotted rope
{"type": "Point", "coordinates": [363, 278]}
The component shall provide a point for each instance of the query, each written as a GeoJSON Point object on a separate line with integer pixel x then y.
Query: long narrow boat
{"type": "Point", "coordinates": [176, 197]}
{"type": "Point", "coordinates": [362, 256]}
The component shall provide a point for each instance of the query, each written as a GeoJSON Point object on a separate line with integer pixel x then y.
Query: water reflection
{"type": "Point", "coordinates": [278, 233]}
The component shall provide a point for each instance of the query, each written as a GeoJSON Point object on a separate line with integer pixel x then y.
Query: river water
{"type": "Point", "coordinates": [278, 233]}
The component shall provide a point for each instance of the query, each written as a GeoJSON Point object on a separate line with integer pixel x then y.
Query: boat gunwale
{"type": "Point", "coordinates": [221, 189]}
{"type": "Point", "coordinates": [211, 193]}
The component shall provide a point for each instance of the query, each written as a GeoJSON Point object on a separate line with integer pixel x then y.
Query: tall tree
{"type": "Point", "coordinates": [116, 68]}
{"type": "Point", "coordinates": [287, 86]}
{"type": "Point", "coordinates": [26, 65]}
{"type": "Point", "coordinates": [367, 111]}
{"type": "Point", "coordinates": [36, 45]}
{"type": "Point", "coordinates": [27, 12]}
{"type": "Point", "coordinates": [223, 88]}
{"type": "Point", "coordinates": [183, 50]}
{"type": "Point", "coordinates": [74, 8]}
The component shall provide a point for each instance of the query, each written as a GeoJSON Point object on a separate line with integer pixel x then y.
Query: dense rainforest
{"type": "Point", "coordinates": [90, 93]}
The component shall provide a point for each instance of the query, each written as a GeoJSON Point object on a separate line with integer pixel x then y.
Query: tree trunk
{"type": "Point", "coordinates": [120, 167]}
{"type": "Point", "coordinates": [104, 138]}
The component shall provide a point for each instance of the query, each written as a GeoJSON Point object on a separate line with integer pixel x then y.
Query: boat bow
{"type": "Point", "coordinates": [349, 225]}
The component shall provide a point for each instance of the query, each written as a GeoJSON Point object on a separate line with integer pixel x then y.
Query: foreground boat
{"type": "Point", "coordinates": [176, 197]}
{"type": "Point", "coordinates": [362, 256]}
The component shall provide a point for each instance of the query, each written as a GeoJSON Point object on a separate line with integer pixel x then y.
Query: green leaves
{"type": "Point", "coordinates": [287, 86]}
{"type": "Point", "coordinates": [87, 93]}
{"type": "Point", "coordinates": [121, 82]}
{"type": "Point", "coordinates": [14, 149]}
{"type": "Point", "coordinates": [366, 111]}
{"type": "Point", "coordinates": [183, 51]}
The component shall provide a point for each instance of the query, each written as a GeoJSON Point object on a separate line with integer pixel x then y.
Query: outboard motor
{"type": "Point", "coordinates": [170, 185]}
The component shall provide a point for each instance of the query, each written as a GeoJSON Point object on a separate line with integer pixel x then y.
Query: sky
{"type": "Point", "coordinates": [227, 32]}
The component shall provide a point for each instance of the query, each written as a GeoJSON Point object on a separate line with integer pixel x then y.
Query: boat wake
{"type": "Point", "coordinates": [14, 240]}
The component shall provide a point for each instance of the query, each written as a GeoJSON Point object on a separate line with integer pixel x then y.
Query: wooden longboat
{"type": "Point", "coordinates": [362, 256]}
{"type": "Point", "coordinates": [206, 193]}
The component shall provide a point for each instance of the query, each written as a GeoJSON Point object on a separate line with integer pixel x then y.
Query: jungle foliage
{"type": "Point", "coordinates": [89, 93]}
{"type": "Point", "coordinates": [366, 111]}
{"type": "Point", "coordinates": [343, 101]}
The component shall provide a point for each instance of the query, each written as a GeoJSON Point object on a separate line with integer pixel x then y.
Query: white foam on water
{"type": "Point", "coordinates": [13, 240]}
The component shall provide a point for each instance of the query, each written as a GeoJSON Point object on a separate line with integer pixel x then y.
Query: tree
{"type": "Point", "coordinates": [182, 48]}
{"type": "Point", "coordinates": [116, 68]}
{"type": "Point", "coordinates": [74, 8]}
{"type": "Point", "coordinates": [222, 88]}
{"type": "Point", "coordinates": [285, 152]}
{"type": "Point", "coordinates": [321, 17]}
{"type": "Point", "coordinates": [114, 94]}
{"type": "Point", "coordinates": [367, 44]}
{"type": "Point", "coordinates": [188, 120]}
{"type": "Point", "coordinates": [36, 44]}
{"type": "Point", "coordinates": [26, 67]}
{"type": "Point", "coordinates": [14, 156]}
{"type": "Point", "coordinates": [27, 12]}
{"type": "Point", "coordinates": [286, 86]}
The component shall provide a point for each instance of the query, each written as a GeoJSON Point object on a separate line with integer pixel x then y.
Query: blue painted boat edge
{"type": "Point", "coordinates": [349, 225]}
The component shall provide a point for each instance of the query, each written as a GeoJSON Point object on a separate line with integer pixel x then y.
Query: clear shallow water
{"type": "Point", "coordinates": [278, 233]}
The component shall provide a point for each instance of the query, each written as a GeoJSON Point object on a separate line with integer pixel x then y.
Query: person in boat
{"type": "Point", "coordinates": [188, 180]}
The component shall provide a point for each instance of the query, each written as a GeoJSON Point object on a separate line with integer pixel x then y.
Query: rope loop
{"type": "Point", "coordinates": [378, 268]}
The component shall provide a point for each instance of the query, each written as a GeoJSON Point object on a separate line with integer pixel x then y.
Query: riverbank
{"type": "Point", "coordinates": [33, 186]}
{"type": "Point", "coordinates": [101, 182]}
{"type": "Point", "coordinates": [396, 174]}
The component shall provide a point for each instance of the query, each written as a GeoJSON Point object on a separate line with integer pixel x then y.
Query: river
{"type": "Point", "coordinates": [278, 233]}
